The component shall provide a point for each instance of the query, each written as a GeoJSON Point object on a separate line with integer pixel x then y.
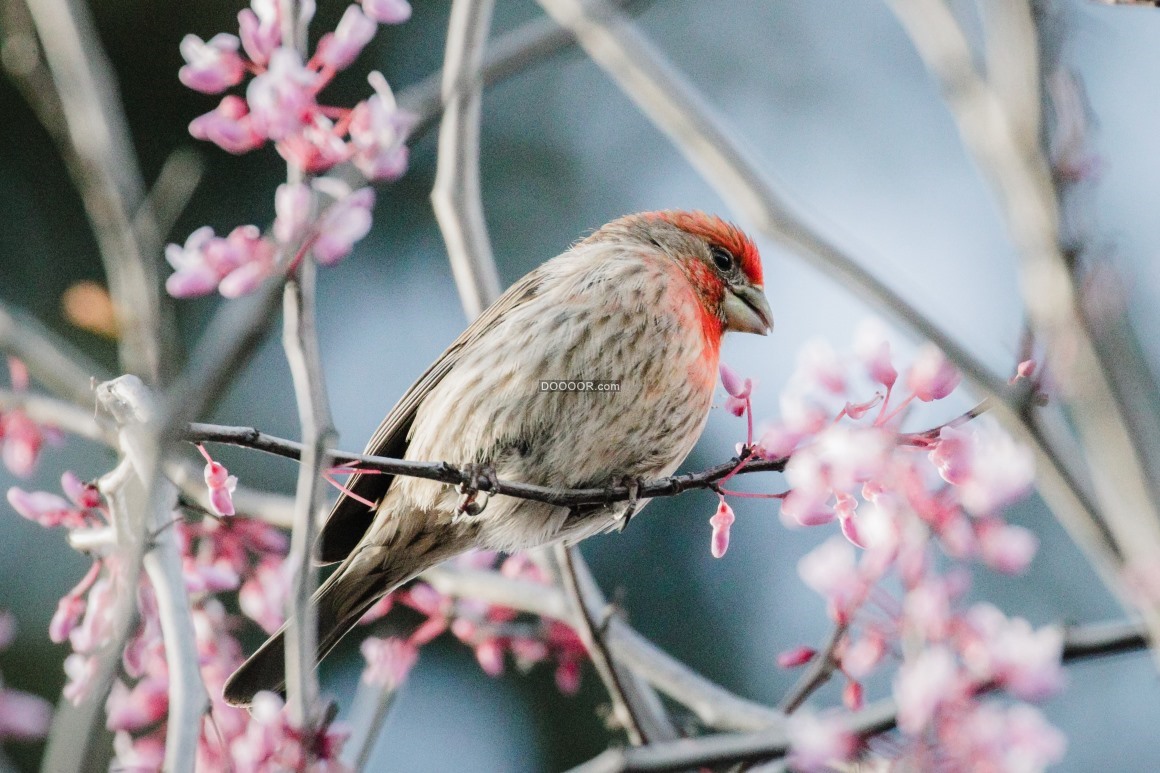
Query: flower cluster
{"type": "Point", "coordinates": [323, 217]}
{"type": "Point", "coordinates": [492, 631]}
{"type": "Point", "coordinates": [913, 509]}
{"type": "Point", "coordinates": [21, 438]}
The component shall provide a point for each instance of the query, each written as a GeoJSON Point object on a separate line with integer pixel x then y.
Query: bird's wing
{"type": "Point", "coordinates": [349, 519]}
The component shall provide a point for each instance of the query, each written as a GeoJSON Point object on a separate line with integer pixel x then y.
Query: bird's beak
{"type": "Point", "coordinates": [746, 310]}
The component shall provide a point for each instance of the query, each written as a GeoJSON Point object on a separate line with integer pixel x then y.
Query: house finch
{"type": "Point", "coordinates": [642, 302]}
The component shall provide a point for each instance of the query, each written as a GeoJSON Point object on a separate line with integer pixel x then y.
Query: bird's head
{"type": "Point", "coordinates": [720, 262]}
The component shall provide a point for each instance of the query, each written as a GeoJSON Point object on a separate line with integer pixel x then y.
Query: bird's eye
{"type": "Point", "coordinates": [722, 259]}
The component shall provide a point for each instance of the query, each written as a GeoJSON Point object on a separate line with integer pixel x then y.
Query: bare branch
{"type": "Point", "coordinates": [591, 615]}
{"type": "Point", "coordinates": [104, 169]}
{"type": "Point", "coordinates": [300, 340]}
{"type": "Point", "coordinates": [50, 360]}
{"type": "Point", "coordinates": [1016, 169]}
{"type": "Point", "coordinates": [456, 195]}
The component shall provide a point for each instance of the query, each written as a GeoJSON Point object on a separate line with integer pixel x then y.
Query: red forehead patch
{"type": "Point", "coordinates": [716, 231]}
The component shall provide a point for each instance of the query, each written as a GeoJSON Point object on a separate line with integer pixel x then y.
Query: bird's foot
{"type": "Point", "coordinates": [475, 493]}
{"type": "Point", "coordinates": [633, 484]}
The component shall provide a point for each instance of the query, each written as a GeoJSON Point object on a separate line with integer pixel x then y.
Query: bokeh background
{"type": "Point", "coordinates": [828, 96]}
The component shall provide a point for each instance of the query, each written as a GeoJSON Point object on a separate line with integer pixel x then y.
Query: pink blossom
{"type": "Point", "coordinates": [953, 453]}
{"type": "Point", "coordinates": [343, 223]}
{"type": "Point", "coordinates": [734, 384]}
{"type": "Point", "coordinates": [388, 661]}
{"type": "Point", "coordinates": [817, 742]}
{"type": "Point", "coordinates": [378, 133]}
{"type": "Point", "coordinates": [281, 99]}
{"type": "Point", "coordinates": [137, 708]}
{"type": "Point", "coordinates": [20, 441]}
{"type": "Point", "coordinates": [1002, 471]}
{"type": "Point", "coordinates": [235, 264]}
{"type": "Point", "coordinates": [141, 754]}
{"type": "Point", "coordinates": [852, 695]}
{"type": "Point", "coordinates": [1007, 549]}
{"type": "Point", "coordinates": [387, 11]}
{"type": "Point", "coordinates": [230, 126]}
{"type": "Point", "coordinates": [924, 683]}
{"type": "Point", "coordinates": [489, 654]}
{"type": "Point", "coordinates": [261, 30]}
{"type": "Point", "coordinates": [43, 508]}
{"type": "Point", "coordinates": [831, 571]}
{"type": "Point", "coordinates": [994, 737]}
{"type": "Point", "coordinates": [721, 521]}
{"type": "Point", "coordinates": [338, 49]}
{"type": "Point", "coordinates": [1009, 652]}
{"type": "Point", "coordinates": [818, 364]}
{"type": "Point", "coordinates": [798, 656]}
{"type": "Point", "coordinates": [211, 67]}
{"type": "Point", "coordinates": [262, 597]}
{"type": "Point", "coordinates": [1025, 369]}
{"type": "Point", "coordinates": [568, 676]}
{"type": "Point", "coordinates": [873, 349]}
{"type": "Point", "coordinates": [23, 716]}
{"type": "Point", "coordinates": [79, 670]}
{"type": "Point", "coordinates": [861, 656]}
{"type": "Point", "coordinates": [316, 147]}
{"type": "Point", "coordinates": [932, 377]}
{"type": "Point", "coordinates": [220, 483]}
{"type": "Point", "coordinates": [293, 204]}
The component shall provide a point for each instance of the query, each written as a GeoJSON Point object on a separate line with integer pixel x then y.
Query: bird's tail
{"type": "Point", "coordinates": [366, 576]}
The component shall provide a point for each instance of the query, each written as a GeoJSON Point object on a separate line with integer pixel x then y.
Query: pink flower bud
{"type": "Point", "coordinates": [527, 650]}
{"type": "Point", "coordinates": [282, 98]}
{"type": "Point", "coordinates": [873, 349]}
{"type": "Point", "coordinates": [733, 383]}
{"type": "Point", "coordinates": [721, 521]}
{"type": "Point", "coordinates": [465, 630]}
{"type": "Point", "coordinates": [340, 48]}
{"type": "Point", "coordinates": [952, 455]}
{"type": "Point", "coordinates": [84, 495]}
{"type": "Point", "coordinates": [489, 653]}
{"type": "Point", "coordinates": [342, 224]}
{"type": "Point", "coordinates": [68, 613]}
{"type": "Point", "coordinates": [428, 631]}
{"type": "Point", "coordinates": [735, 405]}
{"type": "Point", "coordinates": [568, 677]}
{"type": "Point", "coordinates": [852, 696]}
{"type": "Point", "coordinates": [1026, 369]}
{"type": "Point", "coordinates": [932, 377]}
{"type": "Point", "coordinates": [230, 126]}
{"type": "Point", "coordinates": [211, 67]}
{"type": "Point", "coordinates": [293, 205]}
{"type": "Point", "coordinates": [389, 661]}
{"type": "Point", "coordinates": [387, 11]}
{"type": "Point", "coordinates": [1007, 549]}
{"type": "Point", "coordinates": [21, 439]}
{"type": "Point", "coordinates": [43, 508]}
{"type": "Point", "coordinates": [798, 656]}
{"type": "Point", "coordinates": [261, 30]}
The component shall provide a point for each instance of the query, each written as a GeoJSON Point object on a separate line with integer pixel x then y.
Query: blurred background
{"type": "Point", "coordinates": [830, 97]}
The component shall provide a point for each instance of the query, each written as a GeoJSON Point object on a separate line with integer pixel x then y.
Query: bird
{"type": "Point", "coordinates": [642, 303]}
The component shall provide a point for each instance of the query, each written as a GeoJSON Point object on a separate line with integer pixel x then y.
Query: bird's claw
{"type": "Point", "coordinates": [633, 484]}
{"type": "Point", "coordinates": [476, 491]}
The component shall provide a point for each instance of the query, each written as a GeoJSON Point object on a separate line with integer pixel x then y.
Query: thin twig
{"type": "Point", "coordinates": [590, 624]}
{"type": "Point", "coordinates": [1080, 642]}
{"type": "Point", "coordinates": [820, 670]}
{"type": "Point", "coordinates": [49, 358]}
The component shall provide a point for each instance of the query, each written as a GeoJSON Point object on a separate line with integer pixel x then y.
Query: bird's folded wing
{"type": "Point", "coordinates": [349, 518]}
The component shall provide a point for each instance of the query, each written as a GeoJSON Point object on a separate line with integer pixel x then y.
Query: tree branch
{"type": "Point", "coordinates": [95, 144]}
{"type": "Point", "coordinates": [456, 195]}
{"type": "Point", "coordinates": [1014, 166]}
{"type": "Point", "coordinates": [1080, 642]}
